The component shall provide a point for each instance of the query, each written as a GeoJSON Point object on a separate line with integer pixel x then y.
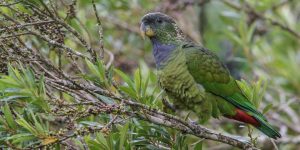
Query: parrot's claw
{"type": "Point", "coordinates": [168, 104]}
{"type": "Point", "coordinates": [193, 122]}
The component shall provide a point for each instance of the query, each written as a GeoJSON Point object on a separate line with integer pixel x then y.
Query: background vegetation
{"type": "Point", "coordinates": [76, 78]}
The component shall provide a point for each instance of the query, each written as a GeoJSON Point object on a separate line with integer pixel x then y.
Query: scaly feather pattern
{"type": "Point", "coordinates": [195, 78]}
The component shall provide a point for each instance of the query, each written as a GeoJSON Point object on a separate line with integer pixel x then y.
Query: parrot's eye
{"type": "Point", "coordinates": [159, 21]}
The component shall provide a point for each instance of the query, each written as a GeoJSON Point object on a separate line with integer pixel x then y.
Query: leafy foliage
{"type": "Point", "coordinates": [38, 110]}
{"type": "Point", "coordinates": [21, 86]}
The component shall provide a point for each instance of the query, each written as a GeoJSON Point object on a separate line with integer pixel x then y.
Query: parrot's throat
{"type": "Point", "coordinates": [162, 52]}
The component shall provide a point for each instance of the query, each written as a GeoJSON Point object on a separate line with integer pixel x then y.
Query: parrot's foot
{"type": "Point", "coordinates": [168, 104]}
{"type": "Point", "coordinates": [193, 122]}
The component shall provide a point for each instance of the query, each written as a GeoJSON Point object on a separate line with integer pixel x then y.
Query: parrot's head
{"type": "Point", "coordinates": [160, 27]}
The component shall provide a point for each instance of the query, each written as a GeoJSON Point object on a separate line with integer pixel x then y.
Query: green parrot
{"type": "Point", "coordinates": [194, 77]}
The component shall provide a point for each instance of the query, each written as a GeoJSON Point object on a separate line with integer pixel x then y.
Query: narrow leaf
{"type": "Point", "coordinates": [125, 78]}
{"type": "Point", "coordinates": [9, 117]}
{"type": "Point", "coordinates": [123, 135]}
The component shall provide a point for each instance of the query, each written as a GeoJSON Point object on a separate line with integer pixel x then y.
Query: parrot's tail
{"type": "Point", "coordinates": [258, 122]}
{"type": "Point", "coordinates": [246, 112]}
{"type": "Point", "coordinates": [267, 129]}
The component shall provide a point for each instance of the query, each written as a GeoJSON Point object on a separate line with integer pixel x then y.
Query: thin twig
{"type": "Point", "coordinates": [164, 119]}
{"type": "Point", "coordinates": [111, 59]}
{"type": "Point", "coordinates": [50, 41]}
{"type": "Point", "coordinates": [13, 36]}
{"type": "Point", "coordinates": [274, 144]}
{"type": "Point", "coordinates": [100, 30]}
{"type": "Point", "coordinates": [69, 28]}
{"type": "Point", "coordinates": [20, 26]}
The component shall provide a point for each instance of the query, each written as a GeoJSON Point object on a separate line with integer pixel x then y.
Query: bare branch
{"type": "Point", "coordinates": [111, 58]}
{"type": "Point", "coordinates": [69, 28]}
{"type": "Point", "coordinates": [20, 26]}
{"type": "Point", "coordinates": [50, 41]}
{"type": "Point", "coordinates": [13, 36]}
{"type": "Point", "coordinates": [168, 120]}
{"type": "Point", "coordinates": [100, 30]}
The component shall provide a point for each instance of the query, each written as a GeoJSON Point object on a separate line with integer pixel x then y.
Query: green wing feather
{"type": "Point", "coordinates": [209, 71]}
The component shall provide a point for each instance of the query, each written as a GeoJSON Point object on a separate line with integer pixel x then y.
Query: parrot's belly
{"type": "Point", "coordinates": [178, 83]}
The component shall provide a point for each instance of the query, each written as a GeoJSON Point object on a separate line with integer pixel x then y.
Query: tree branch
{"type": "Point", "coordinates": [100, 30]}
{"type": "Point", "coordinates": [161, 118]}
{"type": "Point", "coordinates": [250, 11]}
{"type": "Point", "coordinates": [85, 92]}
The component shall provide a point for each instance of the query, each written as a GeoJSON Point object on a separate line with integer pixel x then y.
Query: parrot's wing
{"type": "Point", "coordinates": [208, 70]}
{"type": "Point", "coordinates": [211, 73]}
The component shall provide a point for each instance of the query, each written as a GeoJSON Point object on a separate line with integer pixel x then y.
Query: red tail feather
{"type": "Point", "coordinates": [244, 117]}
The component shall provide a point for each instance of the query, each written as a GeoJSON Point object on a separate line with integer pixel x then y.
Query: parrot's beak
{"type": "Point", "coordinates": [146, 30]}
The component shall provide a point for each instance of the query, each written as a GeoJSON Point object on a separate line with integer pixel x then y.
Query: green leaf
{"type": "Point", "coordinates": [123, 135]}
{"type": "Point", "coordinates": [101, 139]}
{"type": "Point", "coordinates": [22, 122]}
{"type": "Point", "coordinates": [13, 97]}
{"type": "Point", "coordinates": [78, 143]}
{"type": "Point", "coordinates": [250, 32]}
{"type": "Point", "coordinates": [198, 145]}
{"type": "Point", "coordinates": [125, 78]}
{"type": "Point", "coordinates": [98, 69]}
{"type": "Point", "coordinates": [9, 117]}
{"type": "Point", "coordinates": [95, 144]}
{"type": "Point", "coordinates": [21, 85]}
{"type": "Point", "coordinates": [38, 126]}
{"type": "Point", "coordinates": [128, 91]}
{"type": "Point", "coordinates": [91, 123]}
{"type": "Point", "coordinates": [21, 138]}
{"type": "Point", "coordinates": [234, 37]}
{"type": "Point", "coordinates": [145, 86]}
{"type": "Point", "coordinates": [245, 88]}
{"type": "Point", "coordinates": [92, 67]}
{"type": "Point", "coordinates": [110, 142]}
{"type": "Point", "coordinates": [137, 80]}
{"type": "Point", "coordinates": [101, 70]}
{"type": "Point", "coordinates": [105, 99]}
